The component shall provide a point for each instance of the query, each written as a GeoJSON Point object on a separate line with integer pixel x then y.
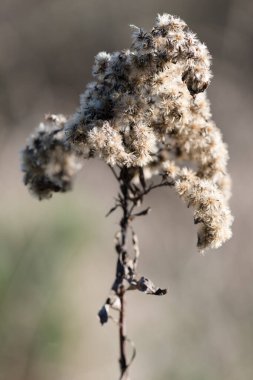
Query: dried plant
{"type": "Point", "coordinates": [147, 116]}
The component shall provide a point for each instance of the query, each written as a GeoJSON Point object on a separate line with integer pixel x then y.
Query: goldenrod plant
{"type": "Point", "coordinates": [147, 116]}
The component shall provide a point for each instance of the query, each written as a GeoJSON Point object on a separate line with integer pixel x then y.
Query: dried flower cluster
{"type": "Point", "coordinates": [146, 108]}
{"type": "Point", "coordinates": [48, 161]}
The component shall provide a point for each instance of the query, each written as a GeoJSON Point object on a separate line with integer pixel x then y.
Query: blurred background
{"type": "Point", "coordinates": [57, 258]}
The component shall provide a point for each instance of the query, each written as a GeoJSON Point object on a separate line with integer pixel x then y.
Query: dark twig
{"type": "Point", "coordinates": [122, 336]}
{"type": "Point", "coordinates": [114, 172]}
{"type": "Point", "coordinates": [129, 197]}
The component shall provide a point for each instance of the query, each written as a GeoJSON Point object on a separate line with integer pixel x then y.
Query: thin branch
{"type": "Point", "coordinates": [112, 210]}
{"type": "Point", "coordinates": [129, 197]}
{"type": "Point", "coordinates": [150, 188]}
{"type": "Point", "coordinates": [114, 172]}
{"type": "Point", "coordinates": [122, 336]}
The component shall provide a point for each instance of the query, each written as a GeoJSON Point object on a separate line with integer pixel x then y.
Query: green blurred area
{"type": "Point", "coordinates": [34, 259]}
{"type": "Point", "coordinates": [57, 257]}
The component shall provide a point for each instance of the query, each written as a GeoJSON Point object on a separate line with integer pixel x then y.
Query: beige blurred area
{"type": "Point", "coordinates": [57, 259]}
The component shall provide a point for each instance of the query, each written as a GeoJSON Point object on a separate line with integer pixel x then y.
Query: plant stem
{"type": "Point", "coordinates": [129, 197]}
{"type": "Point", "coordinates": [124, 223]}
{"type": "Point", "coordinates": [122, 337]}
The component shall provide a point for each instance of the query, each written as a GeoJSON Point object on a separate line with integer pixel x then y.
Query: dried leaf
{"type": "Point", "coordinates": [146, 286]}
{"type": "Point", "coordinates": [103, 314]}
{"type": "Point", "coordinates": [114, 302]}
{"type": "Point", "coordinates": [143, 212]}
{"type": "Point", "coordinates": [112, 210]}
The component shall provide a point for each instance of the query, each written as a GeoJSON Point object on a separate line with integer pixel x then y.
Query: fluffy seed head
{"type": "Point", "coordinates": [47, 161]}
{"type": "Point", "coordinates": [147, 107]}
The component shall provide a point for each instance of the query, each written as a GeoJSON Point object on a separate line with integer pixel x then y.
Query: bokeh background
{"type": "Point", "coordinates": [56, 257]}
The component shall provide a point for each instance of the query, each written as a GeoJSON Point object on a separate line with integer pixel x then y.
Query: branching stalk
{"type": "Point", "coordinates": [129, 198]}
